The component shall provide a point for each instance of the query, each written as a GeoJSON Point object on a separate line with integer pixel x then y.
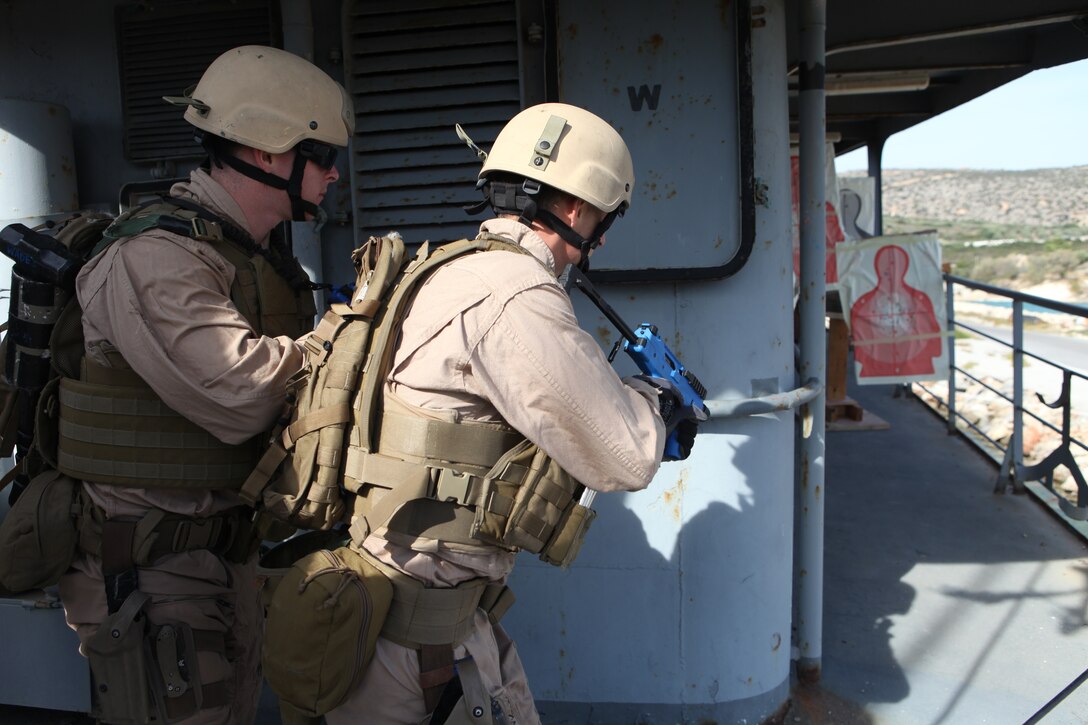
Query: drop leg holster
{"type": "Point", "coordinates": [145, 672]}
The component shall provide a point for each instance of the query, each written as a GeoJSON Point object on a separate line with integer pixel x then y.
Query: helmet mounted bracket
{"type": "Point", "coordinates": [545, 145]}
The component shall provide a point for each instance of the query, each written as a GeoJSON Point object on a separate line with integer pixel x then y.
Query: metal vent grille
{"type": "Point", "coordinates": [414, 69]}
{"type": "Point", "coordinates": [164, 49]}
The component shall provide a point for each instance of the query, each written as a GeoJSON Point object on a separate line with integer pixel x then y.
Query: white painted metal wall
{"type": "Point", "coordinates": [679, 606]}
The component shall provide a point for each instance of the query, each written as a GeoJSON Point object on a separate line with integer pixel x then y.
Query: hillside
{"type": "Point", "coordinates": [1039, 197]}
{"type": "Point", "coordinates": [1027, 230]}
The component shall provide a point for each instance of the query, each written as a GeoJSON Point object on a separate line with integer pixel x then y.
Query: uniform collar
{"type": "Point", "coordinates": [524, 237]}
{"type": "Point", "coordinates": [202, 189]}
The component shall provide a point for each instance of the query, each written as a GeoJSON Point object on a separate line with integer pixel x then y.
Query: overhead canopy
{"type": "Point", "coordinates": [891, 65]}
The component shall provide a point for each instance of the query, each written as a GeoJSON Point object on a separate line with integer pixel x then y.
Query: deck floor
{"type": "Point", "coordinates": [943, 602]}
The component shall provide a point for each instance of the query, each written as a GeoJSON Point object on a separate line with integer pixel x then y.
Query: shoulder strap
{"type": "Point", "coordinates": [175, 216]}
{"type": "Point", "coordinates": [389, 326]}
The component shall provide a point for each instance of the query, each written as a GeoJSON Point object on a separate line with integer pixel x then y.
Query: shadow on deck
{"type": "Point", "coordinates": [943, 602]}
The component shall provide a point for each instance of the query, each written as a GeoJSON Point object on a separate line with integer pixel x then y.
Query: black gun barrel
{"type": "Point", "coordinates": [39, 256]}
{"type": "Point", "coordinates": [578, 279]}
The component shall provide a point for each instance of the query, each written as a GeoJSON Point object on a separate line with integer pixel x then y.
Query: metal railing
{"type": "Point", "coordinates": [1013, 472]}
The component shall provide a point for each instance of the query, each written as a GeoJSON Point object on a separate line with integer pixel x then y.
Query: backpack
{"type": "Point", "coordinates": [44, 337]}
{"type": "Point", "coordinates": [334, 401]}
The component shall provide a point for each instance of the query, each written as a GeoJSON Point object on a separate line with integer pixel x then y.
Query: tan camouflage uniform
{"type": "Point", "coordinates": [493, 337]}
{"type": "Point", "coordinates": [163, 302]}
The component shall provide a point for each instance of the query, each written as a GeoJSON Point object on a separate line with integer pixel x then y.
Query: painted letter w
{"type": "Point", "coordinates": [644, 96]}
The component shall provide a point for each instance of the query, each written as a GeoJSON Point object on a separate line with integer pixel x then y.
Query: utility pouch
{"type": "Point", "coordinates": [38, 536]}
{"type": "Point", "coordinates": [277, 561]}
{"type": "Point", "coordinates": [529, 503]}
{"type": "Point", "coordinates": [120, 659]}
{"type": "Point", "coordinates": [569, 536]}
{"type": "Point", "coordinates": [322, 628]}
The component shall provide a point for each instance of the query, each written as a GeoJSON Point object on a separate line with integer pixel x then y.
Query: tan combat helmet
{"type": "Point", "coordinates": [269, 99]}
{"type": "Point", "coordinates": [274, 101]}
{"type": "Point", "coordinates": [562, 147]}
{"type": "Point", "coordinates": [567, 148]}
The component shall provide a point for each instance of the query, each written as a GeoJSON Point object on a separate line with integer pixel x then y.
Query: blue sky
{"type": "Point", "coordinates": [1038, 121]}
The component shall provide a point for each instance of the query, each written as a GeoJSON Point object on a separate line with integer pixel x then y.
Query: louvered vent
{"type": "Point", "coordinates": [414, 69]}
{"type": "Point", "coordinates": [162, 50]}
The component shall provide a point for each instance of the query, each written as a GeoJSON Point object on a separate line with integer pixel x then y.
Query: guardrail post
{"type": "Point", "coordinates": [950, 340]}
{"type": "Point", "coordinates": [1017, 442]}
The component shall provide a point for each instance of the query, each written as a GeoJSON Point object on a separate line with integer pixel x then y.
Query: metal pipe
{"type": "Point", "coordinates": [876, 152]}
{"type": "Point", "coordinates": [1017, 442]}
{"type": "Point", "coordinates": [1055, 305]}
{"type": "Point", "coordinates": [742, 407]}
{"type": "Point", "coordinates": [961, 32]}
{"type": "Point", "coordinates": [298, 38]}
{"type": "Point", "coordinates": [950, 340]}
{"type": "Point", "coordinates": [813, 198]}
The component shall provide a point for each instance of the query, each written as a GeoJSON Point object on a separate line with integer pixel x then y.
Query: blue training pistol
{"type": "Point", "coordinates": [653, 357]}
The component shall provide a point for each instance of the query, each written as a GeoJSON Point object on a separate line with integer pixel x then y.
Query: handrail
{"type": "Point", "coordinates": [740, 407]}
{"type": "Point", "coordinates": [1012, 468]}
{"type": "Point", "coordinates": [1056, 305]}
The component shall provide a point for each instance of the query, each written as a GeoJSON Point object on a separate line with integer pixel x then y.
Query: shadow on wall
{"type": "Point", "coordinates": [656, 636]}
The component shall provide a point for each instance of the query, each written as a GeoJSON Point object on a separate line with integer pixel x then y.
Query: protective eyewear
{"type": "Point", "coordinates": [320, 153]}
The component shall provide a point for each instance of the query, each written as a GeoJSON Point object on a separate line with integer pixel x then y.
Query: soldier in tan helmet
{"type": "Point", "coordinates": [489, 348]}
{"type": "Point", "coordinates": [190, 318]}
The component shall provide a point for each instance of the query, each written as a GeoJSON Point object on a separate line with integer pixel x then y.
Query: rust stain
{"type": "Point", "coordinates": [604, 334]}
{"type": "Point", "coordinates": [674, 497]}
{"type": "Point", "coordinates": [655, 42]}
{"type": "Point", "coordinates": [572, 31]}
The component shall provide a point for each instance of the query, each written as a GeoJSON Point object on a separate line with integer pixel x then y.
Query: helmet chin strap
{"type": "Point", "coordinates": [571, 237]}
{"type": "Point", "coordinates": [520, 199]}
{"type": "Point", "coordinates": [293, 185]}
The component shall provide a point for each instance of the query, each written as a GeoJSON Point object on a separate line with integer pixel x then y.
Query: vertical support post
{"type": "Point", "coordinates": [813, 198]}
{"type": "Point", "coordinates": [876, 152]}
{"type": "Point", "coordinates": [1017, 442]}
{"type": "Point", "coordinates": [298, 38]}
{"type": "Point", "coordinates": [950, 340]}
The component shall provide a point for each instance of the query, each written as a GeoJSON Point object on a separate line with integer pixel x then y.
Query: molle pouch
{"type": "Point", "coordinates": [528, 497]}
{"type": "Point", "coordinates": [120, 658]}
{"type": "Point", "coordinates": [38, 536]}
{"type": "Point", "coordinates": [277, 561]}
{"type": "Point", "coordinates": [322, 627]}
{"type": "Point", "coordinates": [569, 536]}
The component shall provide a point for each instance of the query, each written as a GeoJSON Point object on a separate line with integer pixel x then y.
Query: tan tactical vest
{"type": "Point", "coordinates": [353, 451]}
{"type": "Point", "coordinates": [113, 428]}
